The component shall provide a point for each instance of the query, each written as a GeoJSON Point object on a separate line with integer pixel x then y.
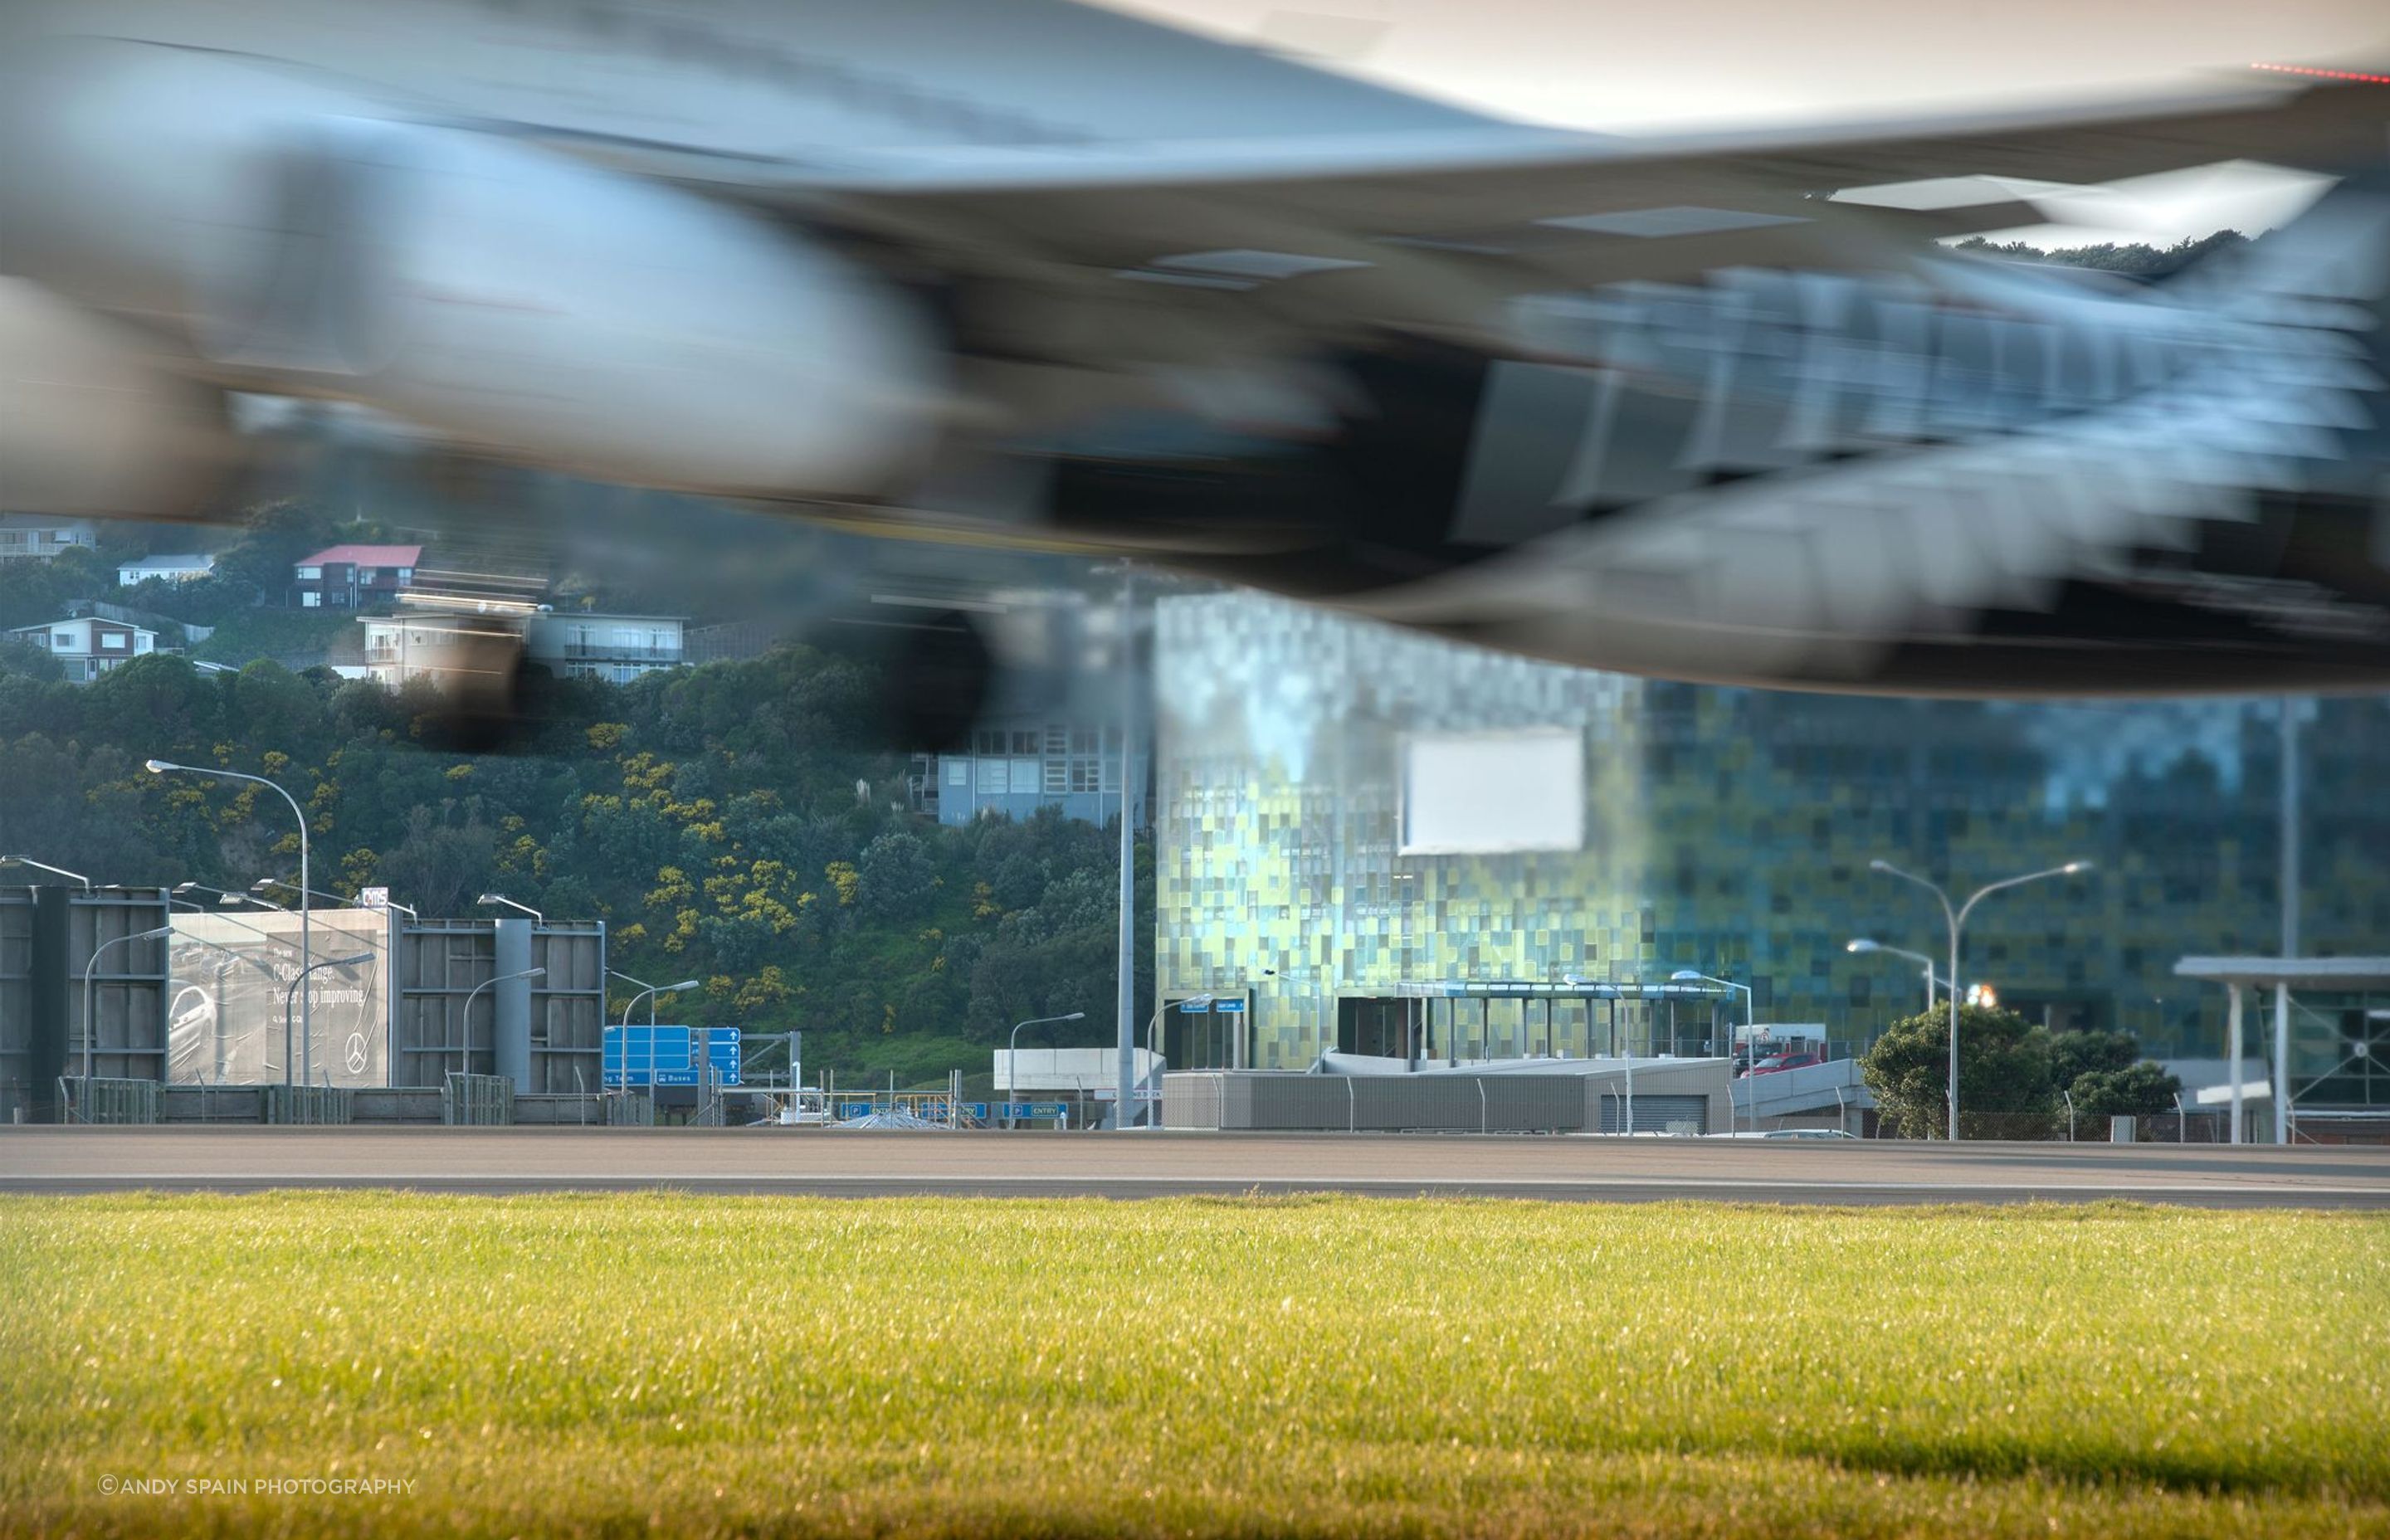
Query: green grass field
{"type": "Point", "coordinates": [683, 1366]}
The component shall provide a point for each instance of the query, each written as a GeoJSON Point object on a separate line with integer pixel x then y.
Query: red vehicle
{"type": "Point", "coordinates": [1775, 1062]}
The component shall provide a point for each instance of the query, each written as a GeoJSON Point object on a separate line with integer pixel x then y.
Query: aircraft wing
{"type": "Point", "coordinates": [1526, 207]}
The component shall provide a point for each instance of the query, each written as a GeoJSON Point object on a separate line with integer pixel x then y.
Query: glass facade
{"type": "Point", "coordinates": [1729, 831]}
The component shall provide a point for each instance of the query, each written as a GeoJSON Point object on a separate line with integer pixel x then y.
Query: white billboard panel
{"type": "Point", "coordinates": [230, 978]}
{"type": "Point", "coordinates": [1494, 792]}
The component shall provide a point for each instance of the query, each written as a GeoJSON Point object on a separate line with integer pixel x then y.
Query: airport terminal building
{"type": "Point", "coordinates": [1368, 839]}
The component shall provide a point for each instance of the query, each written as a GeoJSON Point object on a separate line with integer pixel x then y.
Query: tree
{"type": "Point", "coordinates": [898, 877]}
{"type": "Point", "coordinates": [2074, 1055]}
{"type": "Point", "coordinates": [2005, 1090]}
{"type": "Point", "coordinates": [2142, 1090]}
{"type": "Point", "coordinates": [21, 656]}
{"type": "Point", "coordinates": [443, 861]}
{"type": "Point", "coordinates": [2104, 1075]}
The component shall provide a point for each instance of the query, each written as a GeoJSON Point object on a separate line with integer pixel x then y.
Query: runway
{"type": "Point", "coordinates": [1134, 1166]}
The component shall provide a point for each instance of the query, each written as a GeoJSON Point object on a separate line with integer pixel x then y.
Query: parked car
{"type": "Point", "coordinates": [1809, 1134]}
{"type": "Point", "coordinates": [1776, 1062]}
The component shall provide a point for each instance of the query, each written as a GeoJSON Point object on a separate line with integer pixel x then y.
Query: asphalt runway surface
{"type": "Point", "coordinates": [1138, 1164]}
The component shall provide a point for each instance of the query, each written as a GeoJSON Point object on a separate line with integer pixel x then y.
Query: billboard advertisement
{"type": "Point", "coordinates": [231, 978]}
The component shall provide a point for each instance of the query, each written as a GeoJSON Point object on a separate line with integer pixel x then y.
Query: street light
{"type": "Point", "coordinates": [466, 1054]}
{"type": "Point", "coordinates": [501, 898]}
{"type": "Point", "coordinates": [89, 1025]}
{"type": "Point", "coordinates": [1153, 1028]}
{"type": "Point", "coordinates": [288, 886]}
{"type": "Point", "coordinates": [45, 866]}
{"type": "Point", "coordinates": [1958, 919]}
{"type": "Point", "coordinates": [1750, 1033]}
{"type": "Point", "coordinates": [1924, 963]}
{"type": "Point", "coordinates": [306, 1010]}
{"type": "Point", "coordinates": [648, 991]}
{"type": "Point", "coordinates": [224, 897]}
{"type": "Point", "coordinates": [1012, 1063]}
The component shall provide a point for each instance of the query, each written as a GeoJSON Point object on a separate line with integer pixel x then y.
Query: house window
{"type": "Point", "coordinates": [311, 574]}
{"type": "Point", "coordinates": [405, 576]}
{"type": "Point", "coordinates": [311, 601]}
{"type": "Point", "coordinates": [1057, 776]}
{"type": "Point", "coordinates": [112, 641]}
{"type": "Point", "coordinates": [61, 641]}
{"type": "Point", "coordinates": [366, 574]}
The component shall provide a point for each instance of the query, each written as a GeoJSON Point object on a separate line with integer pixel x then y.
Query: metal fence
{"type": "Point", "coordinates": [108, 1099]}
{"type": "Point", "coordinates": [477, 1101]}
{"type": "Point", "coordinates": [1439, 1104]}
{"type": "Point", "coordinates": [306, 1104]}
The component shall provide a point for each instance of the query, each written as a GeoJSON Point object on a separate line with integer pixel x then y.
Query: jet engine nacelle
{"type": "Point", "coordinates": [95, 420]}
{"type": "Point", "coordinates": [509, 297]}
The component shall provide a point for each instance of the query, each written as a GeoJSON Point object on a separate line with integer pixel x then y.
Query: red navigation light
{"type": "Point", "coordinates": [2356, 75]}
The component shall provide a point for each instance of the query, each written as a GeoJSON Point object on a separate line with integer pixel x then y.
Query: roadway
{"type": "Point", "coordinates": [498, 1160]}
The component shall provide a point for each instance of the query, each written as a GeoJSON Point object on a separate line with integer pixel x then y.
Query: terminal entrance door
{"type": "Point", "coordinates": [1383, 1027]}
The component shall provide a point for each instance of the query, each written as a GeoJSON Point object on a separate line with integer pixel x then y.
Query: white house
{"type": "Point", "coordinates": [39, 536]}
{"type": "Point", "coordinates": [169, 569]}
{"type": "Point", "coordinates": [89, 647]}
{"type": "Point", "coordinates": [617, 648]}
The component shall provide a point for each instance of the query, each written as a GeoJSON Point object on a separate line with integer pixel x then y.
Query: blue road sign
{"type": "Point", "coordinates": [667, 1056]}
{"type": "Point", "coordinates": [1229, 1007]}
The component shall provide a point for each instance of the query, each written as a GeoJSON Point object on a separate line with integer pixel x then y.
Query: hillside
{"type": "Point", "coordinates": [729, 822]}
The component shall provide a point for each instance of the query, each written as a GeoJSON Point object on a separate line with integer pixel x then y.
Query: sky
{"type": "Point", "coordinates": [1624, 67]}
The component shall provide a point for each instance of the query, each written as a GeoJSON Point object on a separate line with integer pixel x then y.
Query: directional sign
{"type": "Point", "coordinates": [1029, 1109]}
{"type": "Point", "coordinates": [668, 1056]}
{"type": "Point", "coordinates": [1229, 1007]}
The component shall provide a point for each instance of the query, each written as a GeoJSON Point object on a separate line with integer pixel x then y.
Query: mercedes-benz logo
{"type": "Point", "coordinates": [356, 1053]}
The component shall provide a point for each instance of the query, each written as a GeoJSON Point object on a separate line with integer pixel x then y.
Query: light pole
{"type": "Point", "coordinates": [1012, 1062]}
{"type": "Point", "coordinates": [1957, 920]}
{"type": "Point", "coordinates": [45, 866]}
{"type": "Point", "coordinates": [297, 989]}
{"type": "Point", "coordinates": [306, 1014]}
{"type": "Point", "coordinates": [90, 1026]}
{"type": "Point", "coordinates": [1153, 1029]}
{"type": "Point", "coordinates": [1924, 963]}
{"type": "Point", "coordinates": [501, 898]}
{"type": "Point", "coordinates": [1691, 975]}
{"type": "Point", "coordinates": [466, 1053]}
{"type": "Point", "coordinates": [1750, 1024]}
{"type": "Point", "coordinates": [648, 991]}
{"type": "Point", "coordinates": [1125, 1000]}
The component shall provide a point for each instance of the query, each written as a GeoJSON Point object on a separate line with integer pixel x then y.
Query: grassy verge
{"type": "Point", "coordinates": [1329, 1367]}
